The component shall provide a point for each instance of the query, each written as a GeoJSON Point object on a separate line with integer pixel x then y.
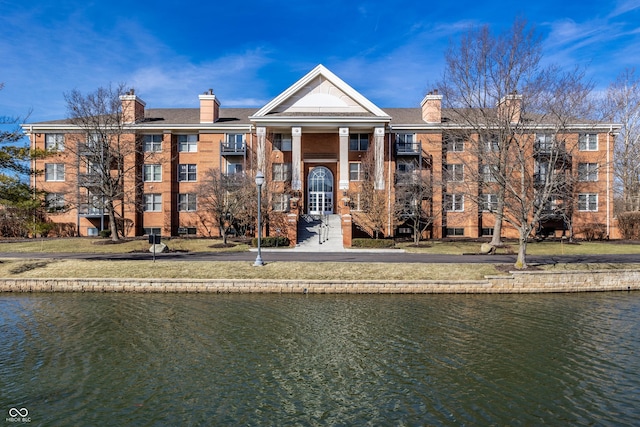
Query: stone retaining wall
{"type": "Point", "coordinates": [517, 282]}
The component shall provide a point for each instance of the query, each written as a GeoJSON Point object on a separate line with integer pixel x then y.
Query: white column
{"type": "Point", "coordinates": [378, 154]}
{"type": "Point", "coordinates": [343, 184]}
{"type": "Point", "coordinates": [296, 158]}
{"type": "Point", "coordinates": [262, 136]}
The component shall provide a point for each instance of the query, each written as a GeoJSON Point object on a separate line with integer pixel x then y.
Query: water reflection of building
{"type": "Point", "coordinates": [317, 142]}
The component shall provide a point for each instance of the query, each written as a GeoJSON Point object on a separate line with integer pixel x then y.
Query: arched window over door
{"type": "Point", "coordinates": [320, 185]}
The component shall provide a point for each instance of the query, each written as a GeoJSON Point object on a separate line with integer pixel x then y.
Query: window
{"type": "Point", "coordinates": [588, 142]}
{"type": "Point", "coordinates": [544, 142]}
{"type": "Point", "coordinates": [487, 231]}
{"type": "Point", "coordinates": [488, 202]}
{"type": "Point", "coordinates": [280, 202]}
{"type": "Point", "coordinates": [54, 202]}
{"type": "Point", "coordinates": [282, 142]}
{"type": "Point", "coordinates": [455, 172]}
{"type": "Point", "coordinates": [187, 172]}
{"type": "Point", "coordinates": [355, 202]}
{"type": "Point", "coordinates": [189, 231]}
{"type": "Point", "coordinates": [152, 173]}
{"type": "Point", "coordinates": [186, 202]}
{"type": "Point", "coordinates": [587, 172]}
{"type": "Point", "coordinates": [358, 142]}
{"type": "Point", "coordinates": [54, 141]}
{"type": "Point", "coordinates": [454, 143]}
{"type": "Point", "coordinates": [454, 202]}
{"type": "Point", "coordinates": [152, 143]}
{"type": "Point", "coordinates": [234, 168]}
{"type": "Point", "coordinates": [282, 171]}
{"type": "Point", "coordinates": [488, 173]}
{"type": "Point", "coordinates": [54, 172]}
{"type": "Point", "coordinates": [355, 171]}
{"type": "Point", "coordinates": [454, 231]}
{"type": "Point", "coordinates": [235, 141]}
{"type": "Point", "coordinates": [541, 172]}
{"type": "Point", "coordinates": [491, 143]}
{"type": "Point", "coordinates": [187, 143]}
{"type": "Point", "coordinates": [153, 202]}
{"type": "Point", "coordinates": [406, 143]}
{"type": "Point", "coordinates": [588, 202]}
{"type": "Point", "coordinates": [152, 230]}
{"type": "Point", "coordinates": [92, 231]}
{"type": "Point", "coordinates": [405, 167]}
{"type": "Point", "coordinates": [93, 140]}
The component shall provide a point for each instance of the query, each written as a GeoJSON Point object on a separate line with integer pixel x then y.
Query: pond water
{"type": "Point", "coordinates": [185, 359]}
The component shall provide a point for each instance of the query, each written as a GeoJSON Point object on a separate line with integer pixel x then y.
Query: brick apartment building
{"type": "Point", "coordinates": [312, 139]}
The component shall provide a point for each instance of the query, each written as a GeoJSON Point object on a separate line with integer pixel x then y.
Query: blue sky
{"type": "Point", "coordinates": [249, 51]}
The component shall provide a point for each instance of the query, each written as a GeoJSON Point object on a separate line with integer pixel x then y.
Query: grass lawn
{"type": "Point", "coordinates": [533, 248]}
{"type": "Point", "coordinates": [45, 268]}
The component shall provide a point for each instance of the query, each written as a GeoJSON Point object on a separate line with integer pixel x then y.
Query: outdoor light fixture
{"type": "Point", "coordinates": [259, 182]}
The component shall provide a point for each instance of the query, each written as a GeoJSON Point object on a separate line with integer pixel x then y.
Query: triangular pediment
{"type": "Point", "coordinates": [320, 92]}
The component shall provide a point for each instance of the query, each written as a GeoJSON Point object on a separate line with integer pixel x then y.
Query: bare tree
{"type": "Point", "coordinates": [516, 116]}
{"type": "Point", "coordinates": [413, 203]}
{"type": "Point", "coordinates": [106, 153]}
{"type": "Point", "coordinates": [370, 214]}
{"type": "Point", "coordinates": [623, 106]}
{"type": "Point", "coordinates": [225, 198]}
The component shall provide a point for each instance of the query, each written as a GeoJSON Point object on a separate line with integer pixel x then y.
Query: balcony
{"type": "Point", "coordinates": [408, 148]}
{"type": "Point", "coordinates": [89, 180]}
{"type": "Point", "coordinates": [405, 178]}
{"type": "Point", "coordinates": [89, 211]}
{"type": "Point", "coordinates": [548, 149]}
{"type": "Point", "coordinates": [233, 148]}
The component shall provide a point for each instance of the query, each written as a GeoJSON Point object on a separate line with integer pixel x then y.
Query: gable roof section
{"type": "Point", "coordinates": [320, 93]}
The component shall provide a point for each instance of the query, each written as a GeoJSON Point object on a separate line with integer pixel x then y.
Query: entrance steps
{"type": "Point", "coordinates": [318, 233]}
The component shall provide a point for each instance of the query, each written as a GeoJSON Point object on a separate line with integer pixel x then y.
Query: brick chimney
{"type": "Point", "coordinates": [510, 107]}
{"type": "Point", "coordinates": [132, 107]}
{"type": "Point", "coordinates": [432, 107]}
{"type": "Point", "coordinates": [209, 107]}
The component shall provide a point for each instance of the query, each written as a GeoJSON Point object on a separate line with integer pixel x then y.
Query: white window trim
{"type": "Point", "coordinates": [153, 168]}
{"type": "Point", "coordinates": [456, 199]}
{"type": "Point", "coordinates": [587, 197]}
{"type": "Point", "coordinates": [58, 172]}
{"type": "Point", "coordinates": [183, 206]}
{"type": "Point", "coordinates": [156, 199]}
{"type": "Point", "coordinates": [586, 135]}
{"type": "Point", "coordinates": [359, 173]}
{"type": "Point", "coordinates": [591, 169]}
{"type": "Point", "coordinates": [57, 142]}
{"type": "Point", "coordinates": [190, 143]}
{"type": "Point", "coordinates": [187, 172]}
{"type": "Point", "coordinates": [156, 145]}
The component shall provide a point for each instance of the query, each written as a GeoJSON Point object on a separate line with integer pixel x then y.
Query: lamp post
{"type": "Point", "coordinates": [259, 182]}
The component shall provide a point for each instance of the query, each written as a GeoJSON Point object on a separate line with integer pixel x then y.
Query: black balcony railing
{"type": "Point", "coordinates": [233, 148]}
{"type": "Point", "coordinates": [409, 148]}
{"type": "Point", "coordinates": [88, 210]}
{"type": "Point", "coordinates": [89, 180]}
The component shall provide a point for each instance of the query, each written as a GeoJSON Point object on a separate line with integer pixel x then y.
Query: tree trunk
{"type": "Point", "coordinates": [521, 262]}
{"type": "Point", "coordinates": [223, 234]}
{"type": "Point", "coordinates": [113, 225]}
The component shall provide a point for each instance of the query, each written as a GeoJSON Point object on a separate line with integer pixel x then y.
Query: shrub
{"type": "Point", "coordinates": [629, 223]}
{"type": "Point", "coordinates": [105, 233]}
{"type": "Point", "coordinates": [594, 231]}
{"type": "Point", "coordinates": [271, 242]}
{"type": "Point", "coordinates": [372, 243]}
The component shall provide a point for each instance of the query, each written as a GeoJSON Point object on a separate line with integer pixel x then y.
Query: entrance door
{"type": "Point", "coordinates": [320, 191]}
